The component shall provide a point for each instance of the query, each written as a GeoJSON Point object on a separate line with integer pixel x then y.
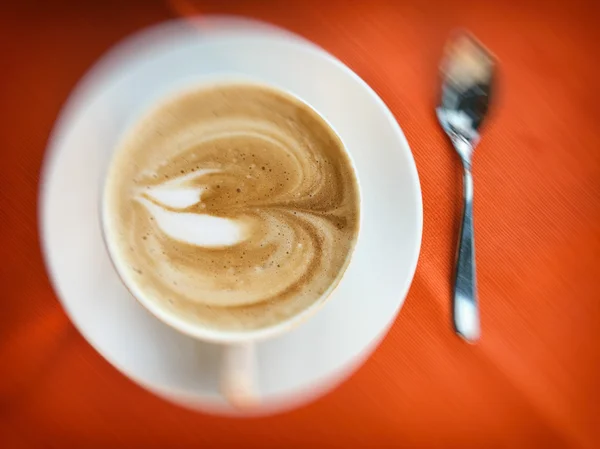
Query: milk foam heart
{"type": "Point", "coordinates": [196, 229]}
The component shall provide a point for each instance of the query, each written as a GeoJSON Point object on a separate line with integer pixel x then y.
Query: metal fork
{"type": "Point", "coordinates": [467, 72]}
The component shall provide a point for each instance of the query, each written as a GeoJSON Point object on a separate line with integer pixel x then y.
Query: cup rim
{"type": "Point", "coordinates": [196, 330]}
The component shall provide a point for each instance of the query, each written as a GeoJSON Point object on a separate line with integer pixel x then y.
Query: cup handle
{"type": "Point", "coordinates": [238, 376]}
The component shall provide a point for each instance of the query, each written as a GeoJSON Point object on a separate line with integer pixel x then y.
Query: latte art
{"type": "Point", "coordinates": [233, 207]}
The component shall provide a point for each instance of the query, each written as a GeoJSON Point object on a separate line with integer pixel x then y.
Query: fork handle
{"type": "Point", "coordinates": [465, 309]}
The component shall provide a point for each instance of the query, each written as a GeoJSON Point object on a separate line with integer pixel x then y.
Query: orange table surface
{"type": "Point", "coordinates": [533, 380]}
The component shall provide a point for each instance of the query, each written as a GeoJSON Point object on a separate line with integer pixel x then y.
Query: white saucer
{"type": "Point", "coordinates": [296, 367]}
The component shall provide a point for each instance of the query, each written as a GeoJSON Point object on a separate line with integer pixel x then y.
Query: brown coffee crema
{"type": "Point", "coordinates": [234, 207]}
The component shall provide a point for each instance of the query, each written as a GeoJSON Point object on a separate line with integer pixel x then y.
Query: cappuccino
{"type": "Point", "coordinates": [232, 207]}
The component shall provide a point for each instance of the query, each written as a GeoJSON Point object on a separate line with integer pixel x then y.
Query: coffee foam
{"type": "Point", "coordinates": [234, 207]}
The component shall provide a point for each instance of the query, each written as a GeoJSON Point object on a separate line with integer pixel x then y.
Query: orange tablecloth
{"type": "Point", "coordinates": [533, 381]}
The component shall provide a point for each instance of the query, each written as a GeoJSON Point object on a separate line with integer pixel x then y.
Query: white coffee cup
{"type": "Point", "coordinates": [239, 362]}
